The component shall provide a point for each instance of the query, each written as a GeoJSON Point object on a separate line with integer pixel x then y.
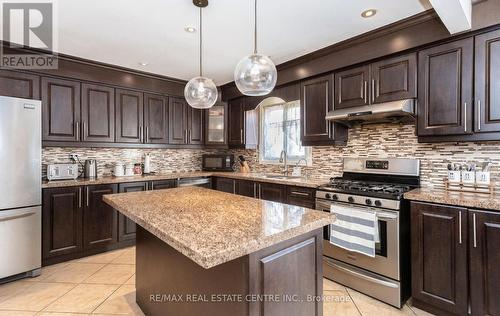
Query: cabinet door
{"type": "Point", "coordinates": [19, 85]}
{"type": "Point", "coordinates": [225, 185]}
{"type": "Point", "coordinates": [60, 109]}
{"type": "Point", "coordinates": [394, 79]}
{"type": "Point", "coordinates": [163, 184]}
{"type": "Point", "coordinates": [484, 238]}
{"type": "Point", "coordinates": [439, 257]}
{"type": "Point", "coordinates": [301, 196]}
{"type": "Point", "coordinates": [98, 113]}
{"type": "Point", "coordinates": [445, 89]}
{"type": "Point", "coordinates": [126, 227]}
{"type": "Point", "coordinates": [236, 114]}
{"type": "Point", "coordinates": [195, 126]}
{"type": "Point", "coordinates": [216, 125]}
{"type": "Point", "coordinates": [315, 103]}
{"type": "Point", "coordinates": [129, 116]}
{"type": "Point", "coordinates": [351, 87]}
{"type": "Point", "coordinates": [177, 121]}
{"type": "Point", "coordinates": [487, 79]}
{"type": "Point", "coordinates": [272, 192]}
{"type": "Point", "coordinates": [62, 222]}
{"type": "Point", "coordinates": [100, 221]}
{"type": "Point", "coordinates": [156, 119]}
{"type": "Point", "coordinates": [246, 188]}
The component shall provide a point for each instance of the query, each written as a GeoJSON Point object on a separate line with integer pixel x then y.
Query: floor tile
{"type": "Point", "coordinates": [17, 313]}
{"type": "Point", "coordinates": [74, 272]}
{"type": "Point", "coordinates": [106, 257]}
{"type": "Point", "coordinates": [329, 285]}
{"type": "Point", "coordinates": [371, 307]}
{"type": "Point", "coordinates": [84, 298]}
{"type": "Point", "coordinates": [47, 271]}
{"type": "Point", "coordinates": [125, 258]}
{"type": "Point", "coordinates": [338, 303]}
{"type": "Point", "coordinates": [12, 288]}
{"type": "Point", "coordinates": [112, 274]}
{"type": "Point", "coordinates": [419, 312]}
{"type": "Point", "coordinates": [36, 297]}
{"type": "Point", "coordinates": [131, 280]}
{"type": "Point", "coordinates": [121, 302]}
{"type": "Point", "coordinates": [61, 314]}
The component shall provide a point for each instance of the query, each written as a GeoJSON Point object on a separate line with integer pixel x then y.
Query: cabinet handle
{"type": "Point", "coordinates": [152, 185]}
{"type": "Point", "coordinates": [77, 124]}
{"type": "Point", "coordinates": [373, 90]}
{"type": "Point", "coordinates": [478, 115]}
{"type": "Point", "coordinates": [299, 193]}
{"type": "Point", "coordinates": [255, 190]}
{"type": "Point", "coordinates": [141, 130]}
{"type": "Point", "coordinates": [460, 227]}
{"type": "Point", "coordinates": [147, 134]}
{"type": "Point", "coordinates": [80, 197]}
{"type": "Point", "coordinates": [186, 135]}
{"type": "Point", "coordinates": [474, 231]}
{"type": "Point", "coordinates": [241, 135]}
{"type": "Point", "coordinates": [465, 116]}
{"type": "Point", "coordinates": [88, 197]}
{"type": "Point", "coordinates": [366, 92]}
{"type": "Point", "coordinates": [83, 131]}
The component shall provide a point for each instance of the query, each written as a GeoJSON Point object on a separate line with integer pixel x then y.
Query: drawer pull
{"type": "Point", "coordinates": [460, 227]}
{"type": "Point", "coordinates": [300, 193]}
{"type": "Point", "coordinates": [475, 229]}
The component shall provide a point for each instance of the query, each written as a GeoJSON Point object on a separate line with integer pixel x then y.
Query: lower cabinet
{"type": "Point", "coordinates": [300, 196]}
{"type": "Point", "coordinates": [272, 192]}
{"type": "Point", "coordinates": [162, 184]}
{"type": "Point", "coordinates": [100, 221]}
{"type": "Point", "coordinates": [454, 253]}
{"type": "Point", "coordinates": [126, 227]}
{"type": "Point", "coordinates": [225, 185]}
{"type": "Point", "coordinates": [246, 188]}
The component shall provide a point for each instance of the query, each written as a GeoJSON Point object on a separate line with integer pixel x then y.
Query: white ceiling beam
{"type": "Point", "coordinates": [455, 14]}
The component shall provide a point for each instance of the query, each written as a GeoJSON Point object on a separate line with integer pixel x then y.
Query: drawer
{"type": "Point", "coordinates": [301, 196]}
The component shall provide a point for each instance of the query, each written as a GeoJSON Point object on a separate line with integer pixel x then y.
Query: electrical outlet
{"type": "Point", "coordinates": [73, 157]}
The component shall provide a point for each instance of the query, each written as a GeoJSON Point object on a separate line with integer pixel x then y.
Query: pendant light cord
{"type": "Point", "coordinates": [255, 29]}
{"type": "Point", "coordinates": [201, 43]}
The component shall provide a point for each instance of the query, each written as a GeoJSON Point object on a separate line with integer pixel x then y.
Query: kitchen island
{"type": "Point", "coordinates": [205, 252]}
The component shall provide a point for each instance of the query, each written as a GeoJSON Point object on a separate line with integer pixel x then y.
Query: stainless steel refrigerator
{"type": "Point", "coordinates": [20, 187]}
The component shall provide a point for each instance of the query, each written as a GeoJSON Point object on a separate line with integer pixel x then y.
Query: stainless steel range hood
{"type": "Point", "coordinates": [384, 112]}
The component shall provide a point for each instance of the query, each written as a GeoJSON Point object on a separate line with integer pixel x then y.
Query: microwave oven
{"type": "Point", "coordinates": [220, 162]}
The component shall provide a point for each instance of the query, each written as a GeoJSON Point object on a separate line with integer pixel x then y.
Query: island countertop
{"type": "Point", "coordinates": [212, 227]}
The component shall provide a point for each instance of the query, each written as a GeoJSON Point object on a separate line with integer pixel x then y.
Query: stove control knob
{"type": "Point", "coordinates": [327, 196]}
{"type": "Point", "coordinates": [350, 199]}
{"type": "Point", "coordinates": [378, 203]}
{"type": "Point", "coordinates": [335, 197]}
{"type": "Point", "coordinates": [368, 202]}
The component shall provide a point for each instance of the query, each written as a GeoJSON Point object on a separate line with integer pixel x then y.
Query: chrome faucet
{"type": "Point", "coordinates": [283, 160]}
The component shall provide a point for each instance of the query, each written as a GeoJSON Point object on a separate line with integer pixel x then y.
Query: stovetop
{"type": "Point", "coordinates": [378, 189]}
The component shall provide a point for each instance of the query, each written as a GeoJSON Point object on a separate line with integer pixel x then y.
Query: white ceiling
{"type": "Point", "coordinates": [126, 32]}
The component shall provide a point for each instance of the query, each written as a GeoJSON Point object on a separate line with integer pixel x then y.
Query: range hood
{"type": "Point", "coordinates": [402, 110]}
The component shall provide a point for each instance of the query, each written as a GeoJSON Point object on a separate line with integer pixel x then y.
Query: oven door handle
{"type": "Point", "coordinates": [362, 276]}
{"type": "Point", "coordinates": [380, 214]}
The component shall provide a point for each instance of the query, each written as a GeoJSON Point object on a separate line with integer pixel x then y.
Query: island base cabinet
{"type": "Point", "coordinates": [484, 239]}
{"type": "Point", "coordinates": [293, 267]}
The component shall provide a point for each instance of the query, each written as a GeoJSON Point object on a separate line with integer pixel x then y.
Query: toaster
{"type": "Point", "coordinates": [62, 171]}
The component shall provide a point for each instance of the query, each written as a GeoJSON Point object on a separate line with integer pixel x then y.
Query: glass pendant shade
{"type": "Point", "coordinates": [255, 75]}
{"type": "Point", "coordinates": [200, 93]}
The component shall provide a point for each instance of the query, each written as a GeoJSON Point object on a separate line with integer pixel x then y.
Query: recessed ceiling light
{"type": "Point", "coordinates": [190, 29]}
{"type": "Point", "coordinates": [369, 13]}
{"type": "Point", "coordinates": [143, 63]}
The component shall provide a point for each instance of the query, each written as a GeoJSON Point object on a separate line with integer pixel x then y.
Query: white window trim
{"type": "Point", "coordinates": [308, 150]}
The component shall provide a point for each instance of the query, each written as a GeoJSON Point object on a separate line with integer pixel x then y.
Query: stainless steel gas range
{"type": "Point", "coordinates": [373, 185]}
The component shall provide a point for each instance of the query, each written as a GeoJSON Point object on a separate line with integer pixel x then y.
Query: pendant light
{"type": "Point", "coordinates": [200, 92]}
{"type": "Point", "coordinates": [255, 74]}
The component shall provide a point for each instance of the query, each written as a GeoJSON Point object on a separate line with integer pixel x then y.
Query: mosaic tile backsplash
{"type": "Point", "coordinates": [374, 140]}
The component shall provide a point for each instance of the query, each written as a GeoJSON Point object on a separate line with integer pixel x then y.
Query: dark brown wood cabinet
{"type": "Point", "coordinates": [484, 238]}
{"type": "Point", "coordinates": [126, 227]}
{"type": "Point", "coordinates": [445, 80]}
{"type": "Point", "coordinates": [163, 184]}
{"type": "Point", "coordinates": [351, 87]}
{"type": "Point", "coordinates": [272, 192]}
{"type": "Point", "coordinates": [301, 196]}
{"type": "Point", "coordinates": [225, 185]}
{"type": "Point", "coordinates": [62, 215]}
{"type": "Point", "coordinates": [195, 126]}
{"type": "Point", "coordinates": [98, 113]}
{"type": "Point", "coordinates": [19, 85]}
{"type": "Point", "coordinates": [439, 258]}
{"type": "Point", "coordinates": [486, 80]}
{"type": "Point", "coordinates": [60, 110]}
{"type": "Point", "coordinates": [156, 119]}
{"type": "Point", "coordinates": [236, 128]}
{"type": "Point", "coordinates": [246, 188]}
{"type": "Point", "coordinates": [129, 116]}
{"type": "Point", "coordinates": [100, 221]}
{"type": "Point", "coordinates": [177, 121]}
{"type": "Point", "coordinates": [393, 79]}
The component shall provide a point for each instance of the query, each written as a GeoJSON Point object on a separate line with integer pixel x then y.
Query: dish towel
{"type": "Point", "coordinates": [354, 230]}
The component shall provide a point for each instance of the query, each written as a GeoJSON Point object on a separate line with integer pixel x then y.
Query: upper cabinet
{"type": "Point", "coordinates": [487, 82]}
{"type": "Point", "coordinates": [445, 89]}
{"type": "Point", "coordinates": [156, 119]}
{"type": "Point", "coordinates": [387, 80]}
{"type": "Point", "coordinates": [129, 116]}
{"type": "Point", "coordinates": [98, 113]}
{"type": "Point", "coordinates": [216, 126]}
{"type": "Point", "coordinates": [185, 123]}
{"type": "Point", "coordinates": [19, 85]}
{"type": "Point", "coordinates": [236, 115]}
{"type": "Point", "coordinates": [315, 102]}
{"type": "Point", "coordinates": [60, 110]}
{"type": "Point", "coordinates": [195, 126]}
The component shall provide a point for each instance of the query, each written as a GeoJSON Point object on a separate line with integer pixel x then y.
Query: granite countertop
{"type": "Point", "coordinates": [465, 199]}
{"type": "Point", "coordinates": [302, 182]}
{"type": "Point", "coordinates": [212, 227]}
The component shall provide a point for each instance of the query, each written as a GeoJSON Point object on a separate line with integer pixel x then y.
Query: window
{"type": "Point", "coordinates": [280, 130]}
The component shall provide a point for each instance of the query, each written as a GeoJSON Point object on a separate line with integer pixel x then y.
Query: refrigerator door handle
{"type": "Point", "coordinates": [4, 218]}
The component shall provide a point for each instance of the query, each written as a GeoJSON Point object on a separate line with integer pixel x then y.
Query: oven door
{"type": "Point", "coordinates": [386, 261]}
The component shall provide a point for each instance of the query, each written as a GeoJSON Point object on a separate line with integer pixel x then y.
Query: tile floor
{"type": "Point", "coordinates": [104, 285]}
